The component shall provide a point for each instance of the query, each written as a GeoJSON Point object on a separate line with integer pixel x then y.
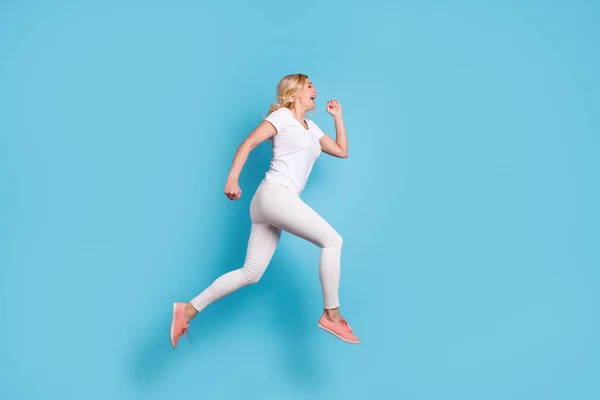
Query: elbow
{"type": "Point", "coordinates": [341, 152]}
{"type": "Point", "coordinates": [248, 145]}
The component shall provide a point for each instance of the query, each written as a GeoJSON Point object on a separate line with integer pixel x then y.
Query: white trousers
{"type": "Point", "coordinates": [275, 208]}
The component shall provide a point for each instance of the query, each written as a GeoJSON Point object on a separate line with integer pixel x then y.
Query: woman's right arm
{"type": "Point", "coordinates": [262, 132]}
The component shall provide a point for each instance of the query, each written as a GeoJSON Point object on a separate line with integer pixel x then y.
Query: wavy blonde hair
{"type": "Point", "coordinates": [287, 90]}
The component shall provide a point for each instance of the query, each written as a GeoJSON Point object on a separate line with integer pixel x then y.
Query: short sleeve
{"type": "Point", "coordinates": [314, 128]}
{"type": "Point", "coordinates": [278, 118]}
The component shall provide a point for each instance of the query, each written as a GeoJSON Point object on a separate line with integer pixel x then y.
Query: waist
{"type": "Point", "coordinates": [269, 185]}
{"type": "Point", "coordinates": [274, 178]}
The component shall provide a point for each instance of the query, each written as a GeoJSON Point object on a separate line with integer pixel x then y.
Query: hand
{"type": "Point", "coordinates": [334, 108]}
{"type": "Point", "coordinates": [232, 189]}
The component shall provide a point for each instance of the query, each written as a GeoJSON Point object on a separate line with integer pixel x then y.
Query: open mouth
{"type": "Point", "coordinates": [313, 97]}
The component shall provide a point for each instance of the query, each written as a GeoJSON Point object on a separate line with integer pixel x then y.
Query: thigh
{"type": "Point", "coordinates": [288, 212]}
{"type": "Point", "coordinates": [262, 243]}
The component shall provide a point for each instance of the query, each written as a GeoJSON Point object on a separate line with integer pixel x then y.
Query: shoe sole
{"type": "Point", "coordinates": [336, 335]}
{"type": "Point", "coordinates": [173, 325]}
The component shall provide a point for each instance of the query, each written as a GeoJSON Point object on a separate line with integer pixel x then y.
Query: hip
{"type": "Point", "coordinates": [272, 197]}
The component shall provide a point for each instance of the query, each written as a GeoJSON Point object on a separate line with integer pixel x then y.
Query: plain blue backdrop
{"type": "Point", "coordinates": [468, 205]}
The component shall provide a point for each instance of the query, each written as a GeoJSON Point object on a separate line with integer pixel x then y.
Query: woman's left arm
{"type": "Point", "coordinates": [339, 147]}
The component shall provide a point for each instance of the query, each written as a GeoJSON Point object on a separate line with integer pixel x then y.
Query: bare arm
{"type": "Point", "coordinates": [262, 132]}
{"type": "Point", "coordinates": [339, 147]}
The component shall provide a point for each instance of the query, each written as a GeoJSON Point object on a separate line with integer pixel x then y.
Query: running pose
{"type": "Point", "coordinates": [276, 205]}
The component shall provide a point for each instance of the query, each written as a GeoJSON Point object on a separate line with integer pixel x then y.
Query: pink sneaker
{"type": "Point", "coordinates": [341, 330]}
{"type": "Point", "coordinates": [178, 324]}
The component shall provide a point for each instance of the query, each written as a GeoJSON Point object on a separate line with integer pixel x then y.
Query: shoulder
{"type": "Point", "coordinates": [283, 111]}
{"type": "Point", "coordinates": [279, 118]}
{"type": "Point", "coordinates": [311, 123]}
{"type": "Point", "coordinates": [314, 128]}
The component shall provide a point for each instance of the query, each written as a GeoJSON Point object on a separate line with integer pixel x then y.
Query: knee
{"type": "Point", "coordinates": [339, 241]}
{"type": "Point", "coordinates": [335, 240]}
{"type": "Point", "coordinates": [252, 274]}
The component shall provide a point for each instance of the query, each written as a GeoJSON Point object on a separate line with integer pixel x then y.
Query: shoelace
{"type": "Point", "coordinates": [185, 330]}
{"type": "Point", "coordinates": [345, 324]}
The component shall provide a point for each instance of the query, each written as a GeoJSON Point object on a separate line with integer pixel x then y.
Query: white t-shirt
{"type": "Point", "coordinates": [295, 150]}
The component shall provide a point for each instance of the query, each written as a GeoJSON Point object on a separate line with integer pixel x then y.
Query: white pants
{"type": "Point", "coordinates": [275, 208]}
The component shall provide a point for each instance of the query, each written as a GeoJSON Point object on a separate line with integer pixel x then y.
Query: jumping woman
{"type": "Point", "coordinates": [276, 205]}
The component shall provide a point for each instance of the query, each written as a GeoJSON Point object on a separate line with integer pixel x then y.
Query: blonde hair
{"type": "Point", "coordinates": [287, 89]}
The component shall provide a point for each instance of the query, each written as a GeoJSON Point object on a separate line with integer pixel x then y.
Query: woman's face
{"type": "Point", "coordinates": [307, 95]}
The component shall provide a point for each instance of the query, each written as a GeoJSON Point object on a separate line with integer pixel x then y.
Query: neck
{"type": "Point", "coordinates": [299, 112]}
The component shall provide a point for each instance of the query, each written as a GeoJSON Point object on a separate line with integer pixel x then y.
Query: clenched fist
{"type": "Point", "coordinates": [232, 189]}
{"type": "Point", "coordinates": [334, 108]}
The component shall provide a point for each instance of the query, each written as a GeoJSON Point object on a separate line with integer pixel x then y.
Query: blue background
{"type": "Point", "coordinates": [468, 205]}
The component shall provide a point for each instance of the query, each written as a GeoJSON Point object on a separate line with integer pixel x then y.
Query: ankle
{"type": "Point", "coordinates": [189, 312]}
{"type": "Point", "coordinates": [333, 315]}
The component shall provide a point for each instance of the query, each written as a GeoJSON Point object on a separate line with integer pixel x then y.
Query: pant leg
{"type": "Point", "coordinates": [282, 208]}
{"type": "Point", "coordinates": [261, 247]}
